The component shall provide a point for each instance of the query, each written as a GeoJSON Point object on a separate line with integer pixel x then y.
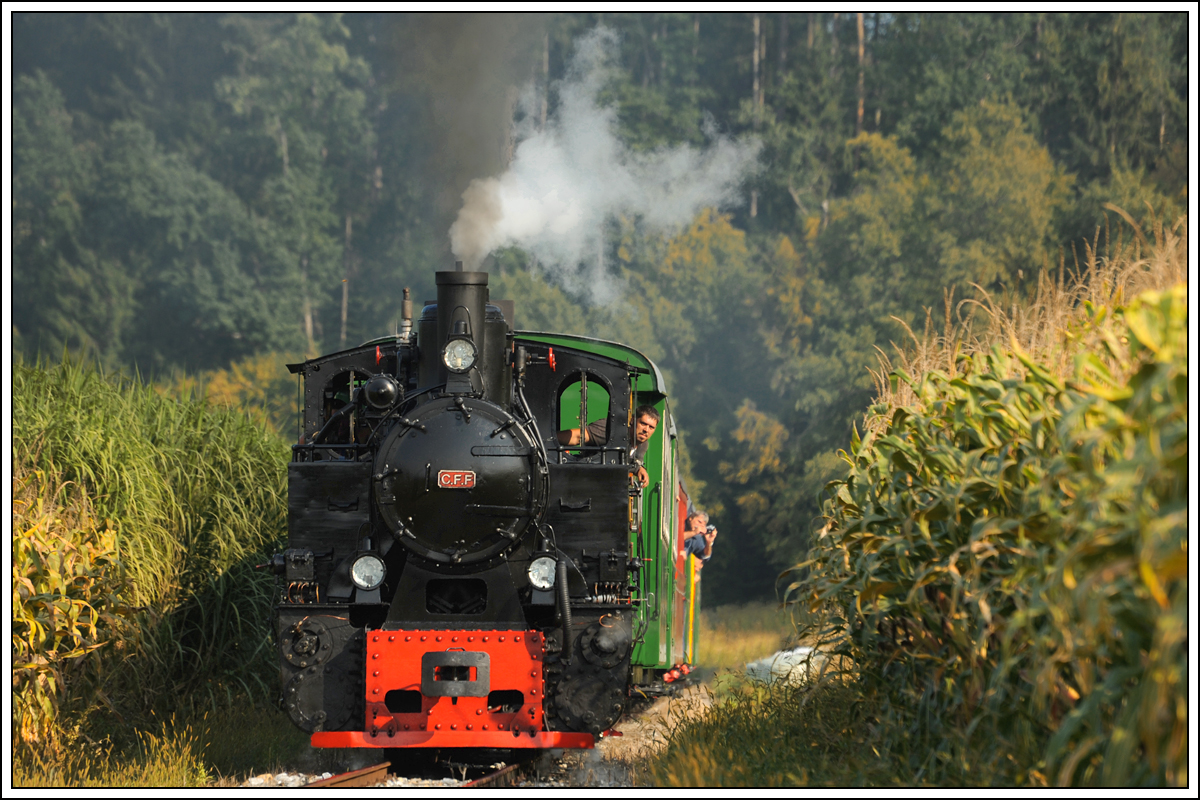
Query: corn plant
{"type": "Point", "coordinates": [1005, 566]}
{"type": "Point", "coordinates": [66, 601]}
{"type": "Point", "coordinates": [192, 497]}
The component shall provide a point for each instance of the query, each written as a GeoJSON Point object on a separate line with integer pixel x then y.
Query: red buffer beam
{"type": "Point", "coordinates": [447, 688]}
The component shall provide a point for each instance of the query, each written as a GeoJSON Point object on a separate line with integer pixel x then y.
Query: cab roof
{"type": "Point", "coordinates": [651, 379]}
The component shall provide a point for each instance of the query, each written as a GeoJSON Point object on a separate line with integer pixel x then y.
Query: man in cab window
{"type": "Point", "coordinates": [596, 433]}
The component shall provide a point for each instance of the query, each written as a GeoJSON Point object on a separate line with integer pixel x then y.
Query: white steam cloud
{"type": "Point", "coordinates": [566, 180]}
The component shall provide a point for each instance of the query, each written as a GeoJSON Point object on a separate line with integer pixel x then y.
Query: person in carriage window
{"type": "Point", "coordinates": [596, 433]}
{"type": "Point", "coordinates": [700, 541]}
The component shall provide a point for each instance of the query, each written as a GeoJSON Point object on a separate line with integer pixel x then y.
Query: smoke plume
{"type": "Point", "coordinates": [566, 180]}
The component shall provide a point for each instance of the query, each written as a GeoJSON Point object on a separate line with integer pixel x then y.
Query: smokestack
{"type": "Point", "coordinates": [462, 298]}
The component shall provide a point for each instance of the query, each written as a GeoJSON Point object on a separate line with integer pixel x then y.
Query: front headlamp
{"type": "Point", "coordinates": [459, 355]}
{"type": "Point", "coordinates": [541, 573]}
{"type": "Point", "coordinates": [367, 571]}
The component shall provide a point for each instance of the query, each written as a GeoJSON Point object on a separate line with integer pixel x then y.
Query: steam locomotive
{"type": "Point", "coordinates": [455, 577]}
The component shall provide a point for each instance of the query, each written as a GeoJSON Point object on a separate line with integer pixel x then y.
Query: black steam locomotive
{"type": "Point", "coordinates": [456, 577]}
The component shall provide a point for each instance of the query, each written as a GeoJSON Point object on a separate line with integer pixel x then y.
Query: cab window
{"type": "Point", "coordinates": [571, 399]}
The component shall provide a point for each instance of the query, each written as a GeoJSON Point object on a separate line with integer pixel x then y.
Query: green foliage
{"type": "Point", "coordinates": [981, 213]}
{"type": "Point", "coordinates": [1107, 88]}
{"type": "Point", "coordinates": [1005, 566]}
{"type": "Point", "coordinates": [193, 191]}
{"type": "Point", "coordinates": [74, 296]}
{"type": "Point", "coordinates": [192, 499]}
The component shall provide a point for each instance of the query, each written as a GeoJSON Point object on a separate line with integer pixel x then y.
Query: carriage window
{"type": "Point", "coordinates": [570, 400]}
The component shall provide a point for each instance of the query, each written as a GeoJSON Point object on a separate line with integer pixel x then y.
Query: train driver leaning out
{"type": "Point", "coordinates": [700, 542]}
{"type": "Point", "coordinates": [596, 433]}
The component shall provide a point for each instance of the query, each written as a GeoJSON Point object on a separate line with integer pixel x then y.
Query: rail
{"type": "Point", "coordinates": [510, 775]}
{"type": "Point", "coordinates": [507, 776]}
{"type": "Point", "coordinates": [367, 776]}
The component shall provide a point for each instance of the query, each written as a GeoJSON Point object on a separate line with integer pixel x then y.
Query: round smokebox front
{"type": "Point", "coordinates": [457, 481]}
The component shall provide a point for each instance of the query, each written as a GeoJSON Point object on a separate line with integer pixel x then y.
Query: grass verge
{"type": "Point", "coordinates": [221, 747]}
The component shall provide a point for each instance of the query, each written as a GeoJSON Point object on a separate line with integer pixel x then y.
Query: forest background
{"type": "Point", "coordinates": [196, 193]}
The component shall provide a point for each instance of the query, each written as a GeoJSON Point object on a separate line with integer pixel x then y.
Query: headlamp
{"type": "Point", "coordinates": [367, 571]}
{"type": "Point", "coordinates": [541, 573]}
{"type": "Point", "coordinates": [459, 355]}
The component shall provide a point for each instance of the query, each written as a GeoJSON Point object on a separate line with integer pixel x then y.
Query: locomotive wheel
{"type": "Point", "coordinates": [588, 698]}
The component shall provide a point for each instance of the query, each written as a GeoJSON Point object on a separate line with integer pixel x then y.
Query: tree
{"type": "Point", "coordinates": [299, 89]}
{"type": "Point", "coordinates": [201, 267]}
{"type": "Point", "coordinates": [67, 294]}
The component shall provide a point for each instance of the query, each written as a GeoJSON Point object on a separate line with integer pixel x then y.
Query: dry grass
{"type": "Point", "coordinates": [1116, 266]}
{"type": "Point", "coordinates": [733, 635]}
{"type": "Point", "coordinates": [259, 386]}
{"type": "Point", "coordinates": [215, 748]}
{"type": "Point", "coordinates": [169, 758]}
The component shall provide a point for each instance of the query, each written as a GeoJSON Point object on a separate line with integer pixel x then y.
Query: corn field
{"type": "Point", "coordinates": [1006, 565]}
{"type": "Point", "coordinates": [138, 520]}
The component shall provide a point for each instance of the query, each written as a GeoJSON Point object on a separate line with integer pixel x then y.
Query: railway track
{"type": "Point", "coordinates": [572, 768]}
{"type": "Point", "coordinates": [367, 776]}
{"type": "Point", "coordinates": [507, 776]}
{"type": "Point", "coordinates": [510, 775]}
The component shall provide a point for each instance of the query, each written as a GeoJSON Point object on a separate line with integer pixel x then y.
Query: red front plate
{"type": "Point", "coordinates": [496, 739]}
{"type": "Point", "coordinates": [511, 667]}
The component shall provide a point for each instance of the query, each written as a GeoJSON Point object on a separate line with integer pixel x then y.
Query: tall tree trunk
{"type": "Point", "coordinates": [345, 281]}
{"type": "Point", "coordinates": [755, 61]}
{"type": "Point", "coordinates": [833, 46]}
{"type": "Point", "coordinates": [662, 52]}
{"type": "Point", "coordinates": [282, 145]}
{"type": "Point", "coordinates": [812, 28]}
{"type": "Point", "coordinates": [757, 99]}
{"type": "Point", "coordinates": [694, 76]}
{"type": "Point", "coordinates": [545, 80]}
{"type": "Point", "coordinates": [647, 56]}
{"type": "Point", "coordinates": [858, 119]}
{"type": "Point", "coordinates": [783, 37]}
{"type": "Point", "coordinates": [508, 144]}
{"type": "Point", "coordinates": [762, 66]}
{"type": "Point", "coordinates": [306, 308]}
